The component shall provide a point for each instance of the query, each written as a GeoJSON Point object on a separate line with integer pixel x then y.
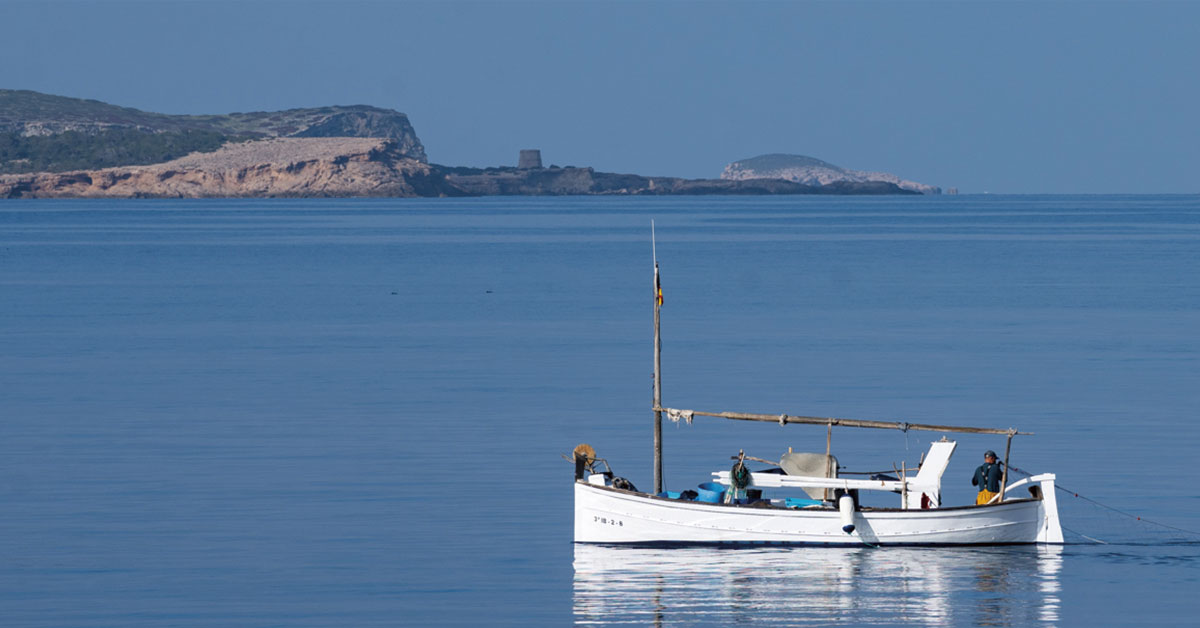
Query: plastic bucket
{"type": "Point", "coordinates": [711, 493]}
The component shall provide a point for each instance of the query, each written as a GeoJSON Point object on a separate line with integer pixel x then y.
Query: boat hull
{"type": "Point", "coordinates": [608, 515]}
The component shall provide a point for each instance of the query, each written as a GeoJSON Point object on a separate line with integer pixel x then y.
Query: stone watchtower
{"type": "Point", "coordinates": [530, 158]}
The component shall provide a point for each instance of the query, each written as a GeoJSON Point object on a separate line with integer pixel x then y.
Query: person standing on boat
{"type": "Point", "coordinates": [987, 478]}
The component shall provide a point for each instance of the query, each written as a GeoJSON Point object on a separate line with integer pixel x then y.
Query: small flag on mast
{"type": "Point", "coordinates": [658, 299]}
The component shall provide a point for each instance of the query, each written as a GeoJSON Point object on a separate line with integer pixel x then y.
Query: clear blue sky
{"type": "Point", "coordinates": [1004, 97]}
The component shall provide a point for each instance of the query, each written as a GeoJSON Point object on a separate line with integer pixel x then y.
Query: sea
{"type": "Point", "coordinates": [323, 412]}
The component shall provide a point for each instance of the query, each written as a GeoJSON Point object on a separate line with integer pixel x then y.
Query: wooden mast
{"type": "Point", "coordinates": [658, 464]}
{"type": "Point", "coordinates": [782, 419]}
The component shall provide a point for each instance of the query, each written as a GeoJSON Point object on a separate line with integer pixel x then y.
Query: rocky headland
{"type": "Point", "coordinates": [279, 167]}
{"type": "Point", "coordinates": [349, 167]}
{"type": "Point", "coordinates": [31, 113]}
{"type": "Point", "coordinates": [59, 147]}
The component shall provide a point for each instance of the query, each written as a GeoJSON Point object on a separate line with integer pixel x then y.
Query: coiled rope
{"type": "Point", "coordinates": [739, 475]}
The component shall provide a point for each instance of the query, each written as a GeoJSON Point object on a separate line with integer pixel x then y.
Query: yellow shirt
{"type": "Point", "coordinates": [984, 497]}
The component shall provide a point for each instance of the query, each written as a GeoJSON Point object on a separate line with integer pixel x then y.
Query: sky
{"type": "Point", "coordinates": [1045, 97]}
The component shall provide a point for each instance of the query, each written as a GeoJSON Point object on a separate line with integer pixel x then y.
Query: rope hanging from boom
{"type": "Point", "coordinates": [675, 415]}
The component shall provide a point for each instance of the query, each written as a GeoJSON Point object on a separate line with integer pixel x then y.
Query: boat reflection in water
{"type": "Point", "coordinates": [862, 585]}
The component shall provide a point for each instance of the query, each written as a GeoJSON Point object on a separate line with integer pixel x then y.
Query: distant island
{"type": "Point", "coordinates": [60, 147]}
{"type": "Point", "coordinates": [813, 171]}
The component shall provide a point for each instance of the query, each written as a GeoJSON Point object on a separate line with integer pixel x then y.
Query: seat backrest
{"type": "Point", "coordinates": [935, 462]}
{"type": "Point", "coordinates": [927, 482]}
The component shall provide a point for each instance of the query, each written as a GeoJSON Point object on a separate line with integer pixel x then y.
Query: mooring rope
{"type": "Point", "coordinates": [1090, 538]}
{"type": "Point", "coordinates": [1107, 507]}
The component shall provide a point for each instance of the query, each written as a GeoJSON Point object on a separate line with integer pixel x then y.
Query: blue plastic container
{"type": "Point", "coordinates": [711, 493]}
{"type": "Point", "coordinates": [796, 502]}
{"type": "Point", "coordinates": [671, 494]}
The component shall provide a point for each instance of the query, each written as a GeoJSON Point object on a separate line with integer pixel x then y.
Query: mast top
{"type": "Point", "coordinates": [653, 244]}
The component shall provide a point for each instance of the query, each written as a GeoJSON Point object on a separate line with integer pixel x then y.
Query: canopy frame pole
{"type": "Point", "coordinates": [1004, 469]}
{"type": "Point", "coordinates": [828, 453]}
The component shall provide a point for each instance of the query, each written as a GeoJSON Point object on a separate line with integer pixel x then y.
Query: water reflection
{"type": "Point", "coordinates": [930, 587]}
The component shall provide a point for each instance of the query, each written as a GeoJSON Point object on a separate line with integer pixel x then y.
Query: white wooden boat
{"type": "Point", "coordinates": [609, 510]}
{"type": "Point", "coordinates": [604, 514]}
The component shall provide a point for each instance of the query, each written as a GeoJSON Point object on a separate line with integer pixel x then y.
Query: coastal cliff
{"type": "Point", "coordinates": [59, 147]}
{"type": "Point", "coordinates": [813, 171]}
{"type": "Point", "coordinates": [281, 167]}
{"type": "Point", "coordinates": [46, 133]}
{"type": "Point", "coordinates": [350, 167]}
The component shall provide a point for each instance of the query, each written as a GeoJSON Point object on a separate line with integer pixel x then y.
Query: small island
{"type": "Point", "coordinates": [60, 147]}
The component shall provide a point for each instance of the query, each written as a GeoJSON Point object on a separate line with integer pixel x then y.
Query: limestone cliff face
{"type": "Point", "coordinates": [370, 122]}
{"type": "Point", "coordinates": [287, 167]}
{"type": "Point", "coordinates": [29, 113]}
{"type": "Point", "coordinates": [350, 166]}
{"type": "Point", "coordinates": [812, 171]}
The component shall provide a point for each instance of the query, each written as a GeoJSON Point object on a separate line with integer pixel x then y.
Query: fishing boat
{"type": "Point", "coordinates": [805, 497]}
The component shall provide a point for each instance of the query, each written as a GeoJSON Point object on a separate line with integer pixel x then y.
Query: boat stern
{"type": "Point", "coordinates": [1051, 529]}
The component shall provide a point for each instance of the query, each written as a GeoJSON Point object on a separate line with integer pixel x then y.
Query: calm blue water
{"type": "Point", "coordinates": [351, 412]}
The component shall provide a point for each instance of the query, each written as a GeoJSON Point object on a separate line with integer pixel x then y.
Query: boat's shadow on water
{"type": "Point", "coordinates": [817, 585]}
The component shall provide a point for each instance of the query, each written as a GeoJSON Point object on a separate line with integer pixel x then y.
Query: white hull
{"type": "Point", "coordinates": [607, 515]}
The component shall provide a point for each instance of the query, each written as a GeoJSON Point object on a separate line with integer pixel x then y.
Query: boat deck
{"type": "Point", "coordinates": [766, 504]}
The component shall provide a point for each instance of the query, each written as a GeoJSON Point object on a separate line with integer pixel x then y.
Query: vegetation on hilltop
{"type": "Point", "coordinates": [73, 150]}
{"type": "Point", "coordinates": [780, 161]}
{"type": "Point", "coordinates": [18, 107]}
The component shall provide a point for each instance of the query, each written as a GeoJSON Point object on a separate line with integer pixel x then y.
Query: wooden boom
{"type": "Point", "coordinates": [784, 419]}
